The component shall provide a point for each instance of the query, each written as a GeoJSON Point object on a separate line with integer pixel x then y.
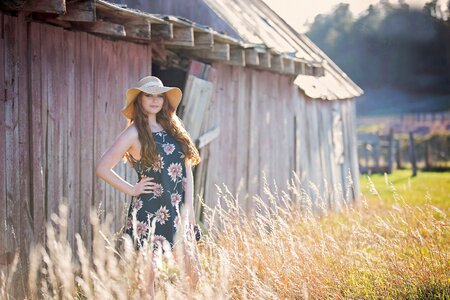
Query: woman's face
{"type": "Point", "coordinates": [152, 103]}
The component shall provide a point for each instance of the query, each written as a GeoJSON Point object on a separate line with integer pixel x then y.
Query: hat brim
{"type": "Point", "coordinates": [173, 95]}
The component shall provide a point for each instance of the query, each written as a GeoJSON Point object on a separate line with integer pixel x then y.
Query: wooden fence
{"type": "Point", "coordinates": [383, 153]}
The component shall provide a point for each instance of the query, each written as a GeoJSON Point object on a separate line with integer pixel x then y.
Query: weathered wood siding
{"type": "Point", "coordinates": [62, 92]}
{"type": "Point", "coordinates": [268, 127]}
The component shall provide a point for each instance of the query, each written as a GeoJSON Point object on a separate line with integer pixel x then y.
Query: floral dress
{"type": "Point", "coordinates": [162, 205]}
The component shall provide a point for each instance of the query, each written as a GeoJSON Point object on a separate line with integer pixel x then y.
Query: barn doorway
{"type": "Point", "coordinates": [171, 76]}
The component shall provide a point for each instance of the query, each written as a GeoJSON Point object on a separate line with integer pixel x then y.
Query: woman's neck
{"type": "Point", "coordinates": [154, 125]}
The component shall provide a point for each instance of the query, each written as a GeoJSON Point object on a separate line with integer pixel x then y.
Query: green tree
{"type": "Point", "coordinates": [388, 45]}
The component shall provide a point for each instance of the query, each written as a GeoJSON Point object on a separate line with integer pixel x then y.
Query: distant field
{"type": "Point", "coordinates": [427, 187]}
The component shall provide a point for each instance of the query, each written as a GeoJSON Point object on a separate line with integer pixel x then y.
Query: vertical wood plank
{"type": "Point", "coordinates": [99, 118]}
{"type": "Point", "coordinates": [37, 135]}
{"type": "Point", "coordinates": [304, 145]}
{"type": "Point", "coordinates": [312, 148]}
{"type": "Point", "coordinates": [117, 198]}
{"type": "Point", "coordinates": [72, 134]}
{"type": "Point", "coordinates": [13, 216]}
{"type": "Point", "coordinates": [263, 98]}
{"type": "Point", "coordinates": [327, 151]}
{"type": "Point", "coordinates": [351, 127]}
{"type": "Point", "coordinates": [3, 199]}
{"type": "Point", "coordinates": [85, 85]}
{"type": "Point", "coordinates": [123, 169]}
{"type": "Point", "coordinates": [253, 142]}
{"type": "Point", "coordinates": [23, 147]}
{"type": "Point", "coordinates": [242, 146]}
{"type": "Point", "coordinates": [106, 97]}
{"type": "Point", "coordinates": [51, 39]}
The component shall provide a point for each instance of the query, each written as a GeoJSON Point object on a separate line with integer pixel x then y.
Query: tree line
{"type": "Point", "coordinates": [389, 45]}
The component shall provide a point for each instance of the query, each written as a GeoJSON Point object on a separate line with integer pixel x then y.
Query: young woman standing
{"type": "Point", "coordinates": [161, 151]}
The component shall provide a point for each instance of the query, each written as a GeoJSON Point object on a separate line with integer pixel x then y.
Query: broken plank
{"type": "Point", "coordinates": [208, 137]}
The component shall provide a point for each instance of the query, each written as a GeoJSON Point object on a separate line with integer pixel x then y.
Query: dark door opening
{"type": "Point", "coordinates": [171, 77]}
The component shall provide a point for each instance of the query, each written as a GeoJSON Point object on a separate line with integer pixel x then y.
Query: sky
{"type": "Point", "coordinates": [298, 12]}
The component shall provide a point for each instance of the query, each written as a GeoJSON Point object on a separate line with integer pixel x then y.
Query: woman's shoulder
{"type": "Point", "coordinates": [131, 132]}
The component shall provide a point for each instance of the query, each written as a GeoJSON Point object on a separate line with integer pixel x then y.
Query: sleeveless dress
{"type": "Point", "coordinates": [163, 204]}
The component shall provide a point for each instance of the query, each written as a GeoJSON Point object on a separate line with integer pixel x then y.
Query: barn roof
{"type": "Point", "coordinates": [256, 23]}
{"type": "Point", "coordinates": [255, 37]}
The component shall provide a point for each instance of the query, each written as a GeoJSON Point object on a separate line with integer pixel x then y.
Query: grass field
{"type": "Point", "coordinates": [425, 188]}
{"type": "Point", "coordinates": [393, 244]}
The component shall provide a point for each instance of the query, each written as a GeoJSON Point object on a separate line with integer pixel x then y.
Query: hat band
{"type": "Point", "coordinates": [150, 84]}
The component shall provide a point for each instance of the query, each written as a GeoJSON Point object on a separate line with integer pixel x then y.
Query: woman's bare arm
{"type": "Point", "coordinates": [111, 158]}
{"type": "Point", "coordinates": [189, 193]}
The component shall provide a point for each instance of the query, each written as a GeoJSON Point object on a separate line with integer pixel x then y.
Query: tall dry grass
{"type": "Point", "coordinates": [281, 250]}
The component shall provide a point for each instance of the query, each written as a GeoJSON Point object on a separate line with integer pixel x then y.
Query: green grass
{"type": "Point", "coordinates": [425, 188]}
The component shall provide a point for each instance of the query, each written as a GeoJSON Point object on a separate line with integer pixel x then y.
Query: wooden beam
{"type": "Point", "coordinates": [101, 27]}
{"type": "Point", "coordinates": [182, 36]}
{"type": "Point", "coordinates": [265, 60]}
{"type": "Point", "coordinates": [318, 71]}
{"type": "Point", "coordinates": [251, 57]}
{"type": "Point", "coordinates": [80, 11]}
{"type": "Point", "coordinates": [207, 137]}
{"type": "Point", "coordinates": [237, 57]}
{"type": "Point", "coordinates": [139, 29]}
{"type": "Point", "coordinates": [219, 52]}
{"type": "Point", "coordinates": [163, 31]}
{"type": "Point", "coordinates": [309, 70]}
{"type": "Point", "coordinates": [276, 63]}
{"type": "Point", "coordinates": [288, 65]}
{"type": "Point", "coordinates": [49, 6]}
{"type": "Point", "coordinates": [299, 67]}
{"type": "Point", "coordinates": [203, 40]}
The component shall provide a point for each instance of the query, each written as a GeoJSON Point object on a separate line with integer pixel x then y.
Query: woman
{"type": "Point", "coordinates": [161, 151]}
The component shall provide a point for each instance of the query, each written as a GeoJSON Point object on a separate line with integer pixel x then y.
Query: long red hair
{"type": "Point", "coordinates": [171, 123]}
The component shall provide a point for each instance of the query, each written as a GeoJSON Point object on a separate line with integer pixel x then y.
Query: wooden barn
{"type": "Point", "coordinates": [280, 103]}
{"type": "Point", "coordinates": [259, 100]}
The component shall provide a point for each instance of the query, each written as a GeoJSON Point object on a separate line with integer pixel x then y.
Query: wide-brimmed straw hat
{"type": "Point", "coordinates": [150, 85]}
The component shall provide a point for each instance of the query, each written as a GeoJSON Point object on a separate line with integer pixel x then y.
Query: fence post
{"type": "Point", "coordinates": [412, 153]}
{"type": "Point", "coordinates": [376, 153]}
{"type": "Point", "coordinates": [366, 156]}
{"type": "Point", "coordinates": [398, 155]}
{"type": "Point", "coordinates": [427, 154]}
{"type": "Point", "coordinates": [390, 150]}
